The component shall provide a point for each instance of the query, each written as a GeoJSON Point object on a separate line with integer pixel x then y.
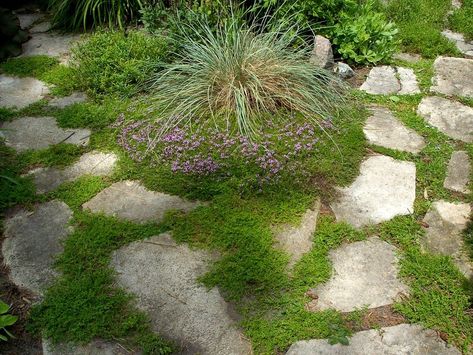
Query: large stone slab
{"type": "Point", "coordinates": [93, 163]}
{"type": "Point", "coordinates": [41, 27]}
{"type": "Point", "coordinates": [32, 241]}
{"type": "Point", "coordinates": [20, 92]}
{"type": "Point", "coordinates": [132, 201]}
{"type": "Point", "coordinates": [364, 274]}
{"type": "Point", "coordinates": [26, 20]}
{"type": "Point", "coordinates": [384, 189]}
{"type": "Point", "coordinates": [297, 240]}
{"type": "Point", "coordinates": [40, 132]}
{"type": "Point", "coordinates": [52, 44]}
{"type": "Point", "coordinates": [383, 129]}
{"type": "Point", "coordinates": [458, 172]}
{"type": "Point", "coordinates": [443, 225]}
{"type": "Point", "coordinates": [402, 339]}
{"type": "Point", "coordinates": [450, 117]}
{"type": "Point", "coordinates": [386, 80]}
{"type": "Point", "coordinates": [464, 46]}
{"type": "Point", "coordinates": [453, 76]}
{"type": "Point", "coordinates": [163, 276]}
{"type": "Point", "coordinates": [96, 347]}
{"type": "Point", "coordinates": [74, 98]}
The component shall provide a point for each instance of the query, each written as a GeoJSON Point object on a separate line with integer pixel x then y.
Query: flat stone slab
{"type": "Point", "coordinates": [458, 172]}
{"type": "Point", "coordinates": [384, 189]}
{"type": "Point", "coordinates": [385, 130]}
{"type": "Point", "coordinates": [41, 27]}
{"type": "Point", "coordinates": [407, 57]}
{"type": "Point", "coordinates": [453, 76]}
{"type": "Point", "coordinates": [386, 80]}
{"type": "Point", "coordinates": [32, 241]}
{"type": "Point", "coordinates": [40, 132]}
{"type": "Point", "coordinates": [405, 339]}
{"type": "Point", "coordinates": [74, 98]}
{"type": "Point", "coordinates": [26, 20]}
{"type": "Point", "coordinates": [464, 46]}
{"type": "Point", "coordinates": [96, 347]}
{"type": "Point", "coordinates": [20, 92]}
{"type": "Point", "coordinates": [163, 276]}
{"type": "Point", "coordinates": [93, 163]}
{"type": "Point", "coordinates": [446, 221]}
{"type": "Point", "coordinates": [132, 201]}
{"type": "Point", "coordinates": [449, 117]}
{"type": "Point", "coordinates": [52, 44]}
{"type": "Point", "coordinates": [364, 274]}
{"type": "Point", "coordinates": [297, 240]}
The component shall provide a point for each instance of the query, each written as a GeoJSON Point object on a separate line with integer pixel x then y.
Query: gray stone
{"type": "Point", "coordinates": [164, 278]}
{"type": "Point", "coordinates": [449, 117]}
{"type": "Point", "coordinates": [93, 163]}
{"type": "Point", "coordinates": [32, 241]}
{"type": "Point", "coordinates": [383, 129]}
{"type": "Point", "coordinates": [458, 172]}
{"type": "Point", "coordinates": [464, 46]}
{"type": "Point", "coordinates": [132, 201]}
{"type": "Point", "coordinates": [96, 347]}
{"type": "Point", "coordinates": [381, 81]}
{"type": "Point", "coordinates": [384, 189]}
{"type": "Point", "coordinates": [453, 76]}
{"type": "Point", "coordinates": [26, 20]}
{"type": "Point", "coordinates": [74, 98]}
{"type": "Point", "coordinates": [364, 274]}
{"type": "Point", "coordinates": [322, 54]}
{"type": "Point", "coordinates": [297, 240]}
{"type": "Point", "coordinates": [51, 44]}
{"type": "Point", "coordinates": [446, 221]}
{"type": "Point", "coordinates": [20, 92]}
{"type": "Point", "coordinates": [344, 71]}
{"type": "Point", "coordinates": [407, 57]}
{"type": "Point", "coordinates": [402, 339]}
{"type": "Point", "coordinates": [41, 27]}
{"type": "Point", "coordinates": [40, 132]}
{"type": "Point", "coordinates": [387, 80]}
{"type": "Point", "coordinates": [408, 81]}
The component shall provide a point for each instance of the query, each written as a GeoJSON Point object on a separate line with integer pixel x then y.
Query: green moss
{"type": "Point", "coordinates": [59, 155]}
{"type": "Point", "coordinates": [34, 66]}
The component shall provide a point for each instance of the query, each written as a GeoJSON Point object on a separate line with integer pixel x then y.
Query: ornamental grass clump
{"type": "Point", "coordinates": [236, 76]}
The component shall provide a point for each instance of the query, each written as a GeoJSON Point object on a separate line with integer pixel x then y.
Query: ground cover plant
{"type": "Point", "coordinates": [462, 19]}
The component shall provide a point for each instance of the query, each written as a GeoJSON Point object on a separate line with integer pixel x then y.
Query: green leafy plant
{"type": "Point", "coordinates": [237, 75]}
{"type": "Point", "coordinates": [6, 320]}
{"type": "Point", "coordinates": [112, 63]}
{"type": "Point", "coordinates": [74, 14]}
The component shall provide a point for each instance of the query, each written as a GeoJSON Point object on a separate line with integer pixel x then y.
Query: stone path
{"type": "Point", "coordinates": [402, 339]}
{"type": "Point", "coordinates": [163, 276]}
{"type": "Point", "coordinates": [74, 98]}
{"type": "Point", "coordinates": [464, 46]}
{"type": "Point", "coordinates": [20, 92]}
{"type": "Point", "coordinates": [384, 189]}
{"type": "Point", "coordinates": [93, 163]}
{"type": "Point", "coordinates": [458, 173]}
{"type": "Point", "coordinates": [52, 44]}
{"type": "Point", "coordinates": [387, 80]}
{"type": "Point", "coordinates": [453, 76]}
{"type": "Point", "coordinates": [40, 132]}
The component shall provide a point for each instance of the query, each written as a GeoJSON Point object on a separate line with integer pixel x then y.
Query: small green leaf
{"type": "Point", "coordinates": [7, 320]}
{"type": "Point", "coordinates": [3, 307]}
{"type": "Point", "coordinates": [394, 98]}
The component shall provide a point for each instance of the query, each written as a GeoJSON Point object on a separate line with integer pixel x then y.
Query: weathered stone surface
{"type": "Point", "coordinates": [26, 20]}
{"type": "Point", "coordinates": [74, 98]}
{"type": "Point", "coordinates": [384, 189]}
{"type": "Point", "coordinates": [41, 27]}
{"type": "Point", "coordinates": [464, 46]}
{"type": "Point", "coordinates": [450, 117]}
{"type": "Point", "coordinates": [322, 54]}
{"type": "Point", "coordinates": [51, 44]}
{"type": "Point", "coordinates": [130, 200]}
{"type": "Point", "coordinates": [381, 81]}
{"type": "Point", "coordinates": [446, 221]}
{"type": "Point", "coordinates": [96, 347]}
{"type": "Point", "coordinates": [408, 81]}
{"type": "Point", "coordinates": [163, 276]}
{"type": "Point", "coordinates": [383, 129]}
{"type": "Point", "coordinates": [93, 163]}
{"type": "Point", "coordinates": [384, 81]}
{"type": "Point", "coordinates": [458, 173]}
{"type": "Point", "coordinates": [407, 57]}
{"type": "Point", "coordinates": [32, 241]}
{"type": "Point", "coordinates": [365, 274]}
{"type": "Point", "coordinates": [297, 240]}
{"type": "Point", "coordinates": [343, 70]}
{"type": "Point", "coordinates": [20, 92]}
{"type": "Point", "coordinates": [402, 339]}
{"type": "Point", "coordinates": [453, 76]}
{"type": "Point", "coordinates": [40, 132]}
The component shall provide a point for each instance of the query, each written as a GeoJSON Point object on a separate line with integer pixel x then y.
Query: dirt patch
{"type": "Point", "coordinates": [384, 316]}
{"type": "Point", "coordinates": [359, 78]}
